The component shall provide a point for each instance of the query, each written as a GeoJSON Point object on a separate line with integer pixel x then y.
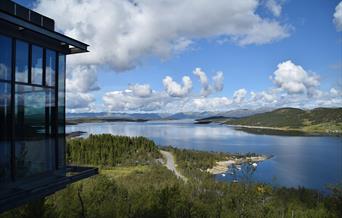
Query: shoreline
{"type": "Point", "coordinates": [223, 166]}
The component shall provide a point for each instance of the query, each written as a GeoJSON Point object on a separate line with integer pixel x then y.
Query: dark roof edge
{"type": "Point", "coordinates": [80, 46]}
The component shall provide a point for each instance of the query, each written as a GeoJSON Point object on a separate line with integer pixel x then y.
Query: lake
{"type": "Point", "coordinates": [309, 161]}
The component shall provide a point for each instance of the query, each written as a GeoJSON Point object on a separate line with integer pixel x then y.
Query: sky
{"type": "Point", "coordinates": [200, 55]}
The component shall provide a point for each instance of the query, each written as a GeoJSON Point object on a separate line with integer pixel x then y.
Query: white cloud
{"type": "Point", "coordinates": [141, 90]}
{"type": "Point", "coordinates": [210, 104]}
{"type": "Point", "coordinates": [264, 97]}
{"type": "Point", "coordinates": [79, 101]}
{"type": "Point", "coordinates": [176, 90]}
{"type": "Point", "coordinates": [239, 95]}
{"type": "Point", "coordinates": [127, 101]}
{"type": "Point", "coordinates": [335, 92]}
{"type": "Point", "coordinates": [123, 33]}
{"type": "Point", "coordinates": [274, 7]}
{"type": "Point", "coordinates": [82, 79]}
{"type": "Point", "coordinates": [338, 17]}
{"type": "Point", "coordinates": [218, 81]}
{"type": "Point", "coordinates": [160, 101]}
{"type": "Point", "coordinates": [206, 89]}
{"type": "Point", "coordinates": [294, 79]}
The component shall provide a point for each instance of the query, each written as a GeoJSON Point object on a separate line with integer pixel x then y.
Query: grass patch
{"type": "Point", "coordinates": [124, 171]}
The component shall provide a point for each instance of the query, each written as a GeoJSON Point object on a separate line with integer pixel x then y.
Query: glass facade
{"type": "Point", "coordinates": [37, 65]}
{"type": "Point", "coordinates": [61, 110]}
{"type": "Point", "coordinates": [50, 67]}
{"type": "Point", "coordinates": [5, 57]}
{"type": "Point", "coordinates": [34, 144]}
{"type": "Point", "coordinates": [32, 113]}
{"type": "Point", "coordinates": [5, 131]}
{"type": "Point", "coordinates": [21, 61]}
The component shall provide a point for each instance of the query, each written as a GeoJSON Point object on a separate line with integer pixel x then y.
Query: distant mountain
{"type": "Point", "coordinates": [244, 112]}
{"type": "Point", "coordinates": [190, 115]}
{"type": "Point", "coordinates": [147, 116]}
{"type": "Point", "coordinates": [176, 116]}
{"type": "Point", "coordinates": [328, 120]}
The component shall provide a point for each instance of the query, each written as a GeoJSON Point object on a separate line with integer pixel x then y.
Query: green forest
{"type": "Point", "coordinates": [133, 183]}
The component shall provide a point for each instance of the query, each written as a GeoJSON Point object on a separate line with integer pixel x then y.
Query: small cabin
{"type": "Point", "coordinates": [32, 107]}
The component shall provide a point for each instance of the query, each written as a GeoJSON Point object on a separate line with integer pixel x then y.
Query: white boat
{"type": "Point", "coordinates": [254, 164]}
{"type": "Point", "coordinates": [223, 174]}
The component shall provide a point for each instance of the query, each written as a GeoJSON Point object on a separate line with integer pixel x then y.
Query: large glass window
{"type": "Point", "coordinates": [50, 67]}
{"type": "Point", "coordinates": [37, 65]}
{"type": "Point", "coordinates": [5, 131]}
{"type": "Point", "coordinates": [61, 110]}
{"type": "Point", "coordinates": [34, 144]}
{"type": "Point", "coordinates": [5, 57]}
{"type": "Point", "coordinates": [21, 64]}
{"type": "Point", "coordinates": [36, 125]}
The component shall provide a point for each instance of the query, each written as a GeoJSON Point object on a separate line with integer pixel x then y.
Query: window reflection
{"type": "Point", "coordinates": [33, 134]}
{"type": "Point", "coordinates": [5, 57]}
{"type": "Point", "coordinates": [50, 67]}
{"type": "Point", "coordinates": [61, 110]}
{"type": "Point", "coordinates": [5, 123]}
{"type": "Point", "coordinates": [37, 65]}
{"type": "Point", "coordinates": [35, 127]}
{"type": "Point", "coordinates": [21, 66]}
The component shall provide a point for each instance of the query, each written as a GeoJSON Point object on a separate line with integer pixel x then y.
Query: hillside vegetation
{"type": "Point", "coordinates": [319, 120]}
{"type": "Point", "coordinates": [108, 151]}
{"type": "Point", "coordinates": [132, 184]}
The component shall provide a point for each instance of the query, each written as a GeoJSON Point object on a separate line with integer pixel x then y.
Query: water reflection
{"type": "Point", "coordinates": [298, 160]}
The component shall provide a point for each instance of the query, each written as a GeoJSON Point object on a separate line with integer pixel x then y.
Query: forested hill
{"type": "Point", "coordinates": [109, 150]}
{"type": "Point", "coordinates": [318, 119]}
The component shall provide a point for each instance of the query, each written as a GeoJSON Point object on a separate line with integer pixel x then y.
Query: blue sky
{"type": "Point", "coordinates": [310, 40]}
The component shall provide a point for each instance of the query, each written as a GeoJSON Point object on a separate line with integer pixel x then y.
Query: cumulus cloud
{"type": "Point", "coordinates": [239, 95]}
{"type": "Point", "coordinates": [210, 104]}
{"type": "Point", "coordinates": [176, 90]}
{"type": "Point", "coordinates": [274, 7]}
{"type": "Point", "coordinates": [82, 79]}
{"type": "Point", "coordinates": [338, 17]}
{"type": "Point", "coordinates": [160, 101]}
{"type": "Point", "coordinates": [126, 100]}
{"type": "Point", "coordinates": [79, 101]}
{"type": "Point", "coordinates": [206, 89]}
{"type": "Point", "coordinates": [141, 90]}
{"type": "Point", "coordinates": [218, 81]}
{"type": "Point", "coordinates": [123, 33]}
{"type": "Point", "coordinates": [263, 97]}
{"type": "Point", "coordinates": [294, 79]}
{"type": "Point", "coordinates": [336, 92]}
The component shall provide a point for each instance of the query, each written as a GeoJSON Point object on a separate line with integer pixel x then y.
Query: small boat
{"type": "Point", "coordinates": [223, 174]}
{"type": "Point", "coordinates": [238, 167]}
{"type": "Point", "coordinates": [235, 181]}
{"type": "Point", "coordinates": [254, 164]}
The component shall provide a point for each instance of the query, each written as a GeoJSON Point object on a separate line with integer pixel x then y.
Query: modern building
{"type": "Point", "coordinates": [32, 106]}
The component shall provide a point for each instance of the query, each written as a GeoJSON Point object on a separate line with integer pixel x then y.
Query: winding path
{"type": "Point", "coordinates": [170, 164]}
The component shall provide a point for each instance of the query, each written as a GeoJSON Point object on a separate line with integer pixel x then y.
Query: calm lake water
{"type": "Point", "coordinates": [312, 162]}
